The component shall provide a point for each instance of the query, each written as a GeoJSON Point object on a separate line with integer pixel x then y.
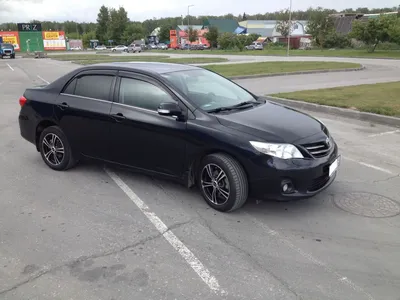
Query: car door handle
{"type": "Point", "coordinates": [63, 105]}
{"type": "Point", "coordinates": [118, 116]}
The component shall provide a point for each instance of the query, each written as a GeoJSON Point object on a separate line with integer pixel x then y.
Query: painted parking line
{"type": "Point", "coordinates": [384, 133]}
{"type": "Point", "coordinates": [369, 165]}
{"type": "Point", "coordinates": [11, 68]}
{"type": "Point", "coordinates": [42, 79]}
{"type": "Point", "coordinates": [171, 238]}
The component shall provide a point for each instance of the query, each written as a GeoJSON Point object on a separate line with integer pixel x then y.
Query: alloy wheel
{"type": "Point", "coordinates": [53, 149]}
{"type": "Point", "coordinates": [215, 184]}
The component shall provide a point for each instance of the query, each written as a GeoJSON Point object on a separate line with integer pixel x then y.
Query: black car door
{"type": "Point", "coordinates": [83, 111]}
{"type": "Point", "coordinates": [140, 136]}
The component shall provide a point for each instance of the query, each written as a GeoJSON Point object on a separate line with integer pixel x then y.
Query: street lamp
{"type": "Point", "coordinates": [189, 6]}
{"type": "Point", "coordinates": [290, 27]}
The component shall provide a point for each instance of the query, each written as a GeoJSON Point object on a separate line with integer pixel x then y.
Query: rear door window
{"type": "Point", "coordinates": [91, 86]}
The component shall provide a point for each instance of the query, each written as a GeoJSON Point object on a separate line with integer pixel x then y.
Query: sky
{"type": "Point", "coordinates": [86, 10]}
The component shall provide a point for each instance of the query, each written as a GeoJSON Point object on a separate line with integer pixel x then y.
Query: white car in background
{"type": "Point", "coordinates": [162, 46]}
{"type": "Point", "coordinates": [134, 48]}
{"type": "Point", "coordinates": [99, 48]}
{"type": "Point", "coordinates": [120, 48]}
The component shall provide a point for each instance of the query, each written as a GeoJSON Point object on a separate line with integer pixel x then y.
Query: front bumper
{"type": "Point", "coordinates": [308, 177]}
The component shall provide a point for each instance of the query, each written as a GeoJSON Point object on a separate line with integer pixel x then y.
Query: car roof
{"type": "Point", "coordinates": [150, 67]}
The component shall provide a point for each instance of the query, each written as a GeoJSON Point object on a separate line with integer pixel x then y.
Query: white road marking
{"type": "Point", "coordinates": [196, 265]}
{"type": "Point", "coordinates": [11, 68]}
{"type": "Point", "coordinates": [42, 79]}
{"type": "Point", "coordinates": [384, 133]}
{"type": "Point", "coordinates": [340, 278]}
{"type": "Point", "coordinates": [369, 166]}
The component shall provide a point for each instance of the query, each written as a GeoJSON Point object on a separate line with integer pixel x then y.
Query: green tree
{"type": "Point", "coordinates": [375, 31]}
{"type": "Point", "coordinates": [192, 34]}
{"type": "Point", "coordinates": [103, 19]}
{"type": "Point", "coordinates": [117, 25]}
{"type": "Point", "coordinates": [163, 35]}
{"type": "Point", "coordinates": [320, 25]}
{"type": "Point", "coordinates": [227, 40]}
{"type": "Point", "coordinates": [86, 37]}
{"type": "Point", "coordinates": [283, 26]}
{"type": "Point", "coordinates": [134, 31]}
{"type": "Point", "coordinates": [212, 36]}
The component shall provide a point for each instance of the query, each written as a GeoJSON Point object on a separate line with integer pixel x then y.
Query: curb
{"type": "Point", "coordinates": [343, 112]}
{"type": "Point", "coordinates": [297, 73]}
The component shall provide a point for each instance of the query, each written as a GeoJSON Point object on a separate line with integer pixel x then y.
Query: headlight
{"type": "Point", "coordinates": [284, 151]}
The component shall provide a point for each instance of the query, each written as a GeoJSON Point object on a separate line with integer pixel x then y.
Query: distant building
{"type": "Point", "coordinates": [344, 21]}
{"type": "Point", "coordinates": [268, 28]}
{"type": "Point", "coordinates": [223, 25]}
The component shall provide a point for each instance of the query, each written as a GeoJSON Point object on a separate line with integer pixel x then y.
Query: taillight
{"type": "Point", "coordinates": [22, 101]}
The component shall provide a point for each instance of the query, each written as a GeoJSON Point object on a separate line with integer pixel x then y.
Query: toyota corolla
{"type": "Point", "coordinates": [184, 123]}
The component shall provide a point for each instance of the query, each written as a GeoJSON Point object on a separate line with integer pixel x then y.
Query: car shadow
{"type": "Point", "coordinates": [193, 198]}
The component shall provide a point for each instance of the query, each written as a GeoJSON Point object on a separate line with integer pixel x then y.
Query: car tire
{"type": "Point", "coordinates": [66, 160]}
{"type": "Point", "coordinates": [233, 179]}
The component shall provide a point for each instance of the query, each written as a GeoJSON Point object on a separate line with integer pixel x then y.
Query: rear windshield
{"type": "Point", "coordinates": [7, 46]}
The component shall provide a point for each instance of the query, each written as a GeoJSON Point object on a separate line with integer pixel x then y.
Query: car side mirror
{"type": "Point", "coordinates": [170, 109]}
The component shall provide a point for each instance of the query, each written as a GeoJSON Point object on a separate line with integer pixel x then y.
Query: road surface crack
{"type": "Point", "coordinates": [253, 260]}
{"type": "Point", "coordinates": [94, 256]}
{"type": "Point", "coordinates": [386, 179]}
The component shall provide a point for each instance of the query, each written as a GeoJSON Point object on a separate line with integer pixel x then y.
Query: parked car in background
{"type": "Point", "coordinates": [134, 48]}
{"type": "Point", "coordinates": [162, 46]}
{"type": "Point", "coordinates": [152, 46]}
{"type": "Point", "coordinates": [100, 48]}
{"type": "Point", "coordinates": [120, 48]}
{"type": "Point", "coordinates": [184, 123]}
{"type": "Point", "coordinates": [185, 47]}
{"type": "Point", "coordinates": [7, 50]}
{"type": "Point", "coordinates": [255, 46]}
{"type": "Point", "coordinates": [78, 48]}
{"type": "Point", "coordinates": [196, 47]}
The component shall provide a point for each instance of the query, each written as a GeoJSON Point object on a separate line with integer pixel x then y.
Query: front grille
{"type": "Point", "coordinates": [318, 149]}
{"type": "Point", "coordinates": [318, 183]}
{"type": "Point", "coordinates": [7, 51]}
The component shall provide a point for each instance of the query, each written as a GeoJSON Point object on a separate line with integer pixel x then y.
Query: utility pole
{"type": "Point", "coordinates": [189, 6]}
{"type": "Point", "coordinates": [188, 16]}
{"type": "Point", "coordinates": [290, 27]}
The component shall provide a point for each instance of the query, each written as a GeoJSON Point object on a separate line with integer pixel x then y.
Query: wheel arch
{"type": "Point", "coordinates": [39, 129]}
{"type": "Point", "coordinates": [194, 164]}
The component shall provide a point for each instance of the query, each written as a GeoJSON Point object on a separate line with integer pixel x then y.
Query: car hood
{"type": "Point", "coordinates": [272, 122]}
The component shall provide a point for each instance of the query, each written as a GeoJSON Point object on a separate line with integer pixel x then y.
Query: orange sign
{"type": "Point", "coordinates": [54, 40]}
{"type": "Point", "coordinates": [11, 37]}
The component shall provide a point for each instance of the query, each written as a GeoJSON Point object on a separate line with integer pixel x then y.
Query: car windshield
{"type": "Point", "coordinates": [7, 46]}
{"type": "Point", "coordinates": [207, 90]}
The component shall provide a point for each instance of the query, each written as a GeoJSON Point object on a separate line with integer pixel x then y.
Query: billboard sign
{"type": "Point", "coordinates": [54, 40]}
{"type": "Point", "coordinates": [11, 37]}
{"type": "Point", "coordinates": [75, 44]}
{"type": "Point", "coordinates": [29, 26]}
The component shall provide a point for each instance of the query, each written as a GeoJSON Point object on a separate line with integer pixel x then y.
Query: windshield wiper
{"type": "Point", "coordinates": [244, 103]}
{"type": "Point", "coordinates": [219, 109]}
{"type": "Point", "coordinates": [236, 106]}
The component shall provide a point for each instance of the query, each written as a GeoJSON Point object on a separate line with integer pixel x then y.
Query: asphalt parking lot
{"type": "Point", "coordinates": [102, 233]}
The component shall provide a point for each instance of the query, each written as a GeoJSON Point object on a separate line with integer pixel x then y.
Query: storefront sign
{"type": "Point", "coordinates": [54, 40]}
{"type": "Point", "coordinates": [11, 37]}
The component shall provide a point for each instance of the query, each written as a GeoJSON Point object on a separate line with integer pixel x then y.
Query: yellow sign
{"type": "Point", "coordinates": [10, 40]}
{"type": "Point", "coordinates": [51, 35]}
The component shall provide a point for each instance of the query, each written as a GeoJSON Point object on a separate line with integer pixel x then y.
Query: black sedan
{"type": "Point", "coordinates": [180, 122]}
